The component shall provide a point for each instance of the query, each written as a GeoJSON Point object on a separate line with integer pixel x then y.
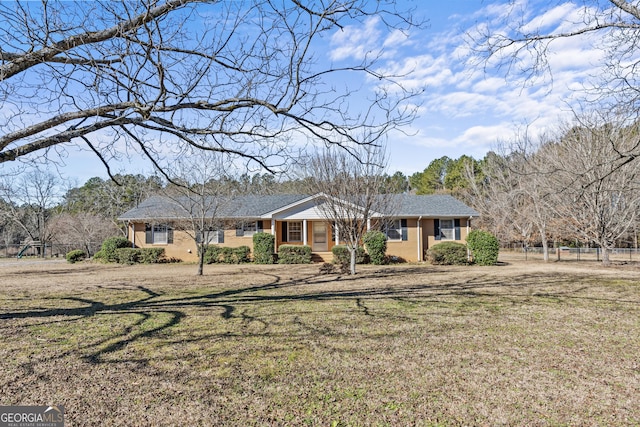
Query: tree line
{"type": "Point", "coordinates": [576, 186]}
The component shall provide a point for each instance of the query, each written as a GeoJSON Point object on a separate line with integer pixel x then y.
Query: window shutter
{"type": "Point", "coordinates": [148, 233]}
{"type": "Point", "coordinates": [403, 225]}
{"type": "Point", "coordinates": [259, 227]}
{"type": "Point", "coordinates": [220, 235]}
{"type": "Point", "coordinates": [436, 229]}
{"type": "Point", "coordinates": [457, 226]}
{"type": "Point", "coordinates": [169, 235]}
{"type": "Point", "coordinates": [284, 232]}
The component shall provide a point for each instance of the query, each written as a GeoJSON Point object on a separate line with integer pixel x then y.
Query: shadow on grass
{"type": "Point", "coordinates": [153, 305]}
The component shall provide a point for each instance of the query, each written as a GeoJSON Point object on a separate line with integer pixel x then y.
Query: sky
{"type": "Point", "coordinates": [464, 109]}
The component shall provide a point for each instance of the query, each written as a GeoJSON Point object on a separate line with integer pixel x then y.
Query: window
{"type": "Point", "coordinates": [393, 230]}
{"type": "Point", "coordinates": [447, 229]}
{"type": "Point", "coordinates": [158, 234]}
{"type": "Point", "coordinates": [295, 232]}
{"type": "Point", "coordinates": [212, 236]}
{"type": "Point", "coordinates": [247, 229]}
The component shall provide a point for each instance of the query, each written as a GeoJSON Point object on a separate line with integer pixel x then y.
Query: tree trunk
{"type": "Point", "coordinates": [200, 259]}
{"type": "Point", "coordinates": [605, 256]}
{"type": "Point", "coordinates": [545, 248]}
{"type": "Point", "coordinates": [352, 264]}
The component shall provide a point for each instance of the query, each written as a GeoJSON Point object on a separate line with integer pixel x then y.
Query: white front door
{"type": "Point", "coordinates": [319, 242]}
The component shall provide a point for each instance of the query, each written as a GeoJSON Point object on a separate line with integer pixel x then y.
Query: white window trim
{"type": "Point", "coordinates": [156, 233]}
{"type": "Point", "coordinates": [391, 225]}
{"type": "Point", "coordinates": [289, 223]}
{"type": "Point", "coordinates": [452, 229]}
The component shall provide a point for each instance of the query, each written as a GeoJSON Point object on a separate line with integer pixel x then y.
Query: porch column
{"type": "Point", "coordinates": [419, 240]}
{"type": "Point", "coordinates": [273, 233]}
{"type": "Point", "coordinates": [304, 231]}
{"type": "Point", "coordinates": [368, 224]}
{"type": "Point", "coordinates": [337, 234]}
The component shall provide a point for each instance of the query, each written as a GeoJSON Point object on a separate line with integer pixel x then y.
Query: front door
{"type": "Point", "coordinates": [319, 242]}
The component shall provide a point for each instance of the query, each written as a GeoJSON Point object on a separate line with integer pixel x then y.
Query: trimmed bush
{"type": "Point", "coordinates": [75, 256]}
{"type": "Point", "coordinates": [376, 244]}
{"type": "Point", "coordinates": [132, 256]}
{"type": "Point", "coordinates": [151, 255]}
{"type": "Point", "coordinates": [224, 255]}
{"type": "Point", "coordinates": [110, 245]}
{"type": "Point", "coordinates": [341, 255]}
{"type": "Point", "coordinates": [264, 247]}
{"type": "Point", "coordinates": [294, 254]}
{"type": "Point", "coordinates": [484, 247]}
{"type": "Point", "coordinates": [100, 256]}
{"type": "Point", "coordinates": [448, 253]}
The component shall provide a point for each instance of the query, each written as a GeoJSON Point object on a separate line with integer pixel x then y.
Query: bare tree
{"type": "Point", "coordinates": [30, 198]}
{"type": "Point", "coordinates": [352, 192]}
{"type": "Point", "coordinates": [85, 230]}
{"type": "Point", "coordinates": [243, 77]}
{"type": "Point", "coordinates": [198, 197]}
{"type": "Point", "coordinates": [597, 196]}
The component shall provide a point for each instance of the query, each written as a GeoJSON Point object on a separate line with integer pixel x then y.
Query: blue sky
{"type": "Point", "coordinates": [464, 109]}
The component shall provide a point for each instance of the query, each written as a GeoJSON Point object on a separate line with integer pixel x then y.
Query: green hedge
{"type": "Point", "coordinates": [75, 256]}
{"type": "Point", "coordinates": [109, 247]}
{"type": "Point", "coordinates": [376, 244]}
{"type": "Point", "coordinates": [294, 254]}
{"type": "Point", "coordinates": [138, 255]}
{"type": "Point", "coordinates": [448, 253]}
{"type": "Point", "coordinates": [341, 255]}
{"type": "Point", "coordinates": [484, 247]}
{"type": "Point", "coordinates": [224, 255]}
{"type": "Point", "coordinates": [264, 248]}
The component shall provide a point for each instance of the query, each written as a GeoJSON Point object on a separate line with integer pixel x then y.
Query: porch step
{"type": "Point", "coordinates": [321, 256]}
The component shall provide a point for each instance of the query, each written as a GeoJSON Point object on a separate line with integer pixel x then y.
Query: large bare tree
{"type": "Point", "coordinates": [598, 196]}
{"type": "Point", "coordinates": [352, 190]}
{"type": "Point", "coordinates": [198, 196]}
{"type": "Point", "coordinates": [251, 78]}
{"type": "Point", "coordinates": [29, 201]}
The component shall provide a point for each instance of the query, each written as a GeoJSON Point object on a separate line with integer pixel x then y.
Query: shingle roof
{"type": "Point", "coordinates": [436, 206]}
{"type": "Point", "coordinates": [253, 206]}
{"type": "Point", "coordinates": [158, 207]}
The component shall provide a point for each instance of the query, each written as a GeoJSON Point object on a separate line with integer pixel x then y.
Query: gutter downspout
{"type": "Point", "coordinates": [419, 240]}
{"type": "Point", "coordinates": [465, 239]}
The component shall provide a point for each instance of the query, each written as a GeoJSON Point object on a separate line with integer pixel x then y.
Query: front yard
{"type": "Point", "coordinates": [517, 344]}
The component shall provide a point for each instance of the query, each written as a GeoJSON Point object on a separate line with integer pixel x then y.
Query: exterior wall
{"type": "Point", "coordinates": [430, 238]}
{"type": "Point", "coordinates": [406, 249]}
{"type": "Point", "coordinates": [184, 248]}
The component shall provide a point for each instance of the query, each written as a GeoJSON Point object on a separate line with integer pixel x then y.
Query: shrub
{"type": "Point", "coordinates": [264, 247]}
{"type": "Point", "coordinates": [127, 256]}
{"type": "Point", "coordinates": [75, 256]}
{"type": "Point", "coordinates": [100, 256]}
{"type": "Point", "coordinates": [376, 244]}
{"type": "Point", "coordinates": [216, 254]}
{"type": "Point", "coordinates": [484, 247]}
{"type": "Point", "coordinates": [448, 253]}
{"type": "Point", "coordinates": [212, 254]}
{"type": "Point", "coordinates": [151, 255]}
{"type": "Point", "coordinates": [341, 255]}
{"type": "Point", "coordinates": [110, 245]}
{"type": "Point", "coordinates": [294, 254]}
{"type": "Point", "coordinates": [132, 256]}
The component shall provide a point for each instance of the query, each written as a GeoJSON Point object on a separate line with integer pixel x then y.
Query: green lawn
{"type": "Point", "coordinates": [517, 344]}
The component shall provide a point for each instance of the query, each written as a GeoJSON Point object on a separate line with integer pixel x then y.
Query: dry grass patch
{"type": "Point", "coordinates": [519, 344]}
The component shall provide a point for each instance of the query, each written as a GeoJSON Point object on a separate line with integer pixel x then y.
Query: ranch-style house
{"type": "Point", "coordinates": [418, 223]}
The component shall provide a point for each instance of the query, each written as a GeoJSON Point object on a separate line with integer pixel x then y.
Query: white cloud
{"type": "Point", "coordinates": [355, 41]}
